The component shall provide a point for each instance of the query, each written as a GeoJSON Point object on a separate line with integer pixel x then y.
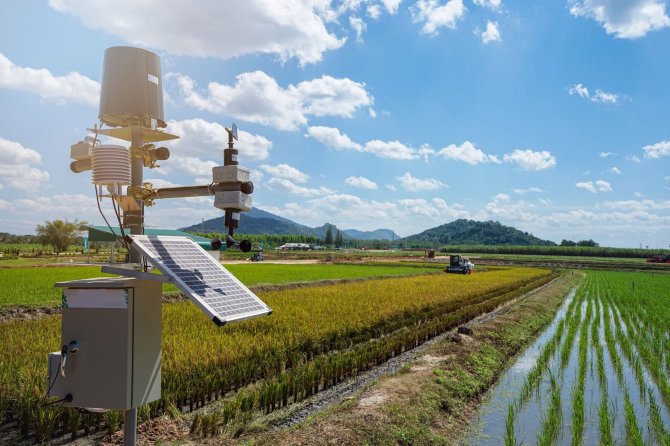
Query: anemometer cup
{"type": "Point", "coordinates": [244, 245]}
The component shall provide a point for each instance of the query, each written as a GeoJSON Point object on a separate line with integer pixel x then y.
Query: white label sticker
{"type": "Point", "coordinates": [153, 79]}
{"type": "Point", "coordinates": [235, 216]}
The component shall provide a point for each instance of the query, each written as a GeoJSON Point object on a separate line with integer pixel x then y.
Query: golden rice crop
{"type": "Point", "coordinates": [202, 361]}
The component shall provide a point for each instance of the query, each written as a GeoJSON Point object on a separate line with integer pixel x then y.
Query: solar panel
{"type": "Point", "coordinates": [201, 277]}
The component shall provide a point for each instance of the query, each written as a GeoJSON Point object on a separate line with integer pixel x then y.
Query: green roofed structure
{"type": "Point", "coordinates": [103, 234]}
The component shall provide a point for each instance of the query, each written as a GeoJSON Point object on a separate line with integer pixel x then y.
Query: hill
{"type": "Point", "coordinates": [470, 232]}
{"type": "Point", "coordinates": [258, 221]}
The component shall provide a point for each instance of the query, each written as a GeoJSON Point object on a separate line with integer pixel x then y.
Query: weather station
{"type": "Point", "coordinates": [110, 355]}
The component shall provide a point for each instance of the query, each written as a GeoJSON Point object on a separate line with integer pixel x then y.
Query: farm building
{"type": "Point", "coordinates": [103, 234]}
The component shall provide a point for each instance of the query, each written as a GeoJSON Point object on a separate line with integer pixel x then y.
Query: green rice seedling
{"type": "Point", "coordinates": [656, 423]}
{"type": "Point", "coordinates": [532, 380]}
{"type": "Point", "coordinates": [551, 423]}
{"type": "Point", "coordinates": [510, 438]}
{"type": "Point", "coordinates": [611, 345]}
{"type": "Point", "coordinates": [604, 418]}
{"type": "Point", "coordinates": [573, 327]}
{"type": "Point", "coordinates": [633, 432]}
{"type": "Point", "coordinates": [578, 391]}
{"type": "Point", "coordinates": [605, 421]}
{"type": "Point", "coordinates": [632, 356]}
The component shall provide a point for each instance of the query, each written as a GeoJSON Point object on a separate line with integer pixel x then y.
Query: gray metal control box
{"type": "Point", "coordinates": [115, 326]}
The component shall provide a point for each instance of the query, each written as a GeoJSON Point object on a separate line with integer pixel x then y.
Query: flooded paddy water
{"type": "Point", "coordinates": [598, 374]}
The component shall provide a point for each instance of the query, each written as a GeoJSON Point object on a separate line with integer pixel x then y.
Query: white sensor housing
{"type": "Point", "coordinates": [230, 174]}
{"type": "Point", "coordinates": [232, 200]}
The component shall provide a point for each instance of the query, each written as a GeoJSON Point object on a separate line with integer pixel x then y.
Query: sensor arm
{"type": "Point", "coordinates": [148, 193]}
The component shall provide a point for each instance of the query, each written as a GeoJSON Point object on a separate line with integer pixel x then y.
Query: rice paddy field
{"type": "Point", "coordinates": [599, 374]}
{"type": "Point", "coordinates": [35, 286]}
{"type": "Point", "coordinates": [316, 337]}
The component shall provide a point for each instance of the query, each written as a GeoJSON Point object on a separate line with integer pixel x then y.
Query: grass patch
{"type": "Point", "coordinates": [35, 286]}
{"type": "Point", "coordinates": [269, 273]}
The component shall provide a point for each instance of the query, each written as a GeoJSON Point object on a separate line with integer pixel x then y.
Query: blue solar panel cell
{"type": "Point", "coordinates": [201, 277]}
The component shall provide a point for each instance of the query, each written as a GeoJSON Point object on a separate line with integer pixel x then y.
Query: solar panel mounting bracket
{"type": "Point", "coordinates": [162, 278]}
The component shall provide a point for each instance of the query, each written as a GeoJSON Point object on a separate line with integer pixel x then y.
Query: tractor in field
{"type": "Point", "coordinates": [660, 258]}
{"type": "Point", "coordinates": [459, 265]}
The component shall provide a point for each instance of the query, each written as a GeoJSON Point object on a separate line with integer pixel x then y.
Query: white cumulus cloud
{"type": "Point", "coordinates": [491, 33]}
{"type": "Point", "coordinates": [285, 171]}
{"type": "Point", "coordinates": [359, 26]}
{"type": "Point", "coordinates": [606, 154]}
{"type": "Point", "coordinates": [638, 205]}
{"type": "Point", "coordinates": [72, 87]}
{"type": "Point", "coordinates": [257, 97]}
{"type": "Point", "coordinates": [467, 153]}
{"type": "Point", "coordinates": [615, 170]}
{"type": "Point", "coordinates": [435, 15]}
{"type": "Point", "coordinates": [200, 137]}
{"type": "Point", "coordinates": [189, 165]}
{"type": "Point", "coordinates": [595, 186]}
{"type": "Point", "coordinates": [329, 96]}
{"type": "Point", "coordinates": [374, 11]}
{"type": "Point", "coordinates": [413, 184]}
{"type": "Point", "coordinates": [531, 160]}
{"type": "Point", "coordinates": [390, 149]}
{"type": "Point", "coordinates": [491, 4]}
{"type": "Point", "coordinates": [288, 186]}
{"type": "Point", "coordinates": [17, 167]}
{"type": "Point", "coordinates": [231, 28]}
{"type": "Point", "coordinates": [657, 150]}
{"type": "Point", "coordinates": [343, 209]}
{"type": "Point", "coordinates": [332, 138]}
{"type": "Point", "coordinates": [391, 5]}
{"type": "Point", "coordinates": [625, 19]}
{"type": "Point", "coordinates": [362, 182]}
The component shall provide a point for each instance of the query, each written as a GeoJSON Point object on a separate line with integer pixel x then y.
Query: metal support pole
{"type": "Point", "coordinates": [130, 427]}
{"type": "Point", "coordinates": [136, 225]}
{"type": "Point", "coordinates": [136, 218]}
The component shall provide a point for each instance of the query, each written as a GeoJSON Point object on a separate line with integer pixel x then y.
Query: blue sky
{"type": "Point", "coordinates": [550, 116]}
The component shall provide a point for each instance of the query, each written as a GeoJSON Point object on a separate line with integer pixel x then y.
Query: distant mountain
{"type": "Point", "coordinates": [378, 234]}
{"type": "Point", "coordinates": [258, 221]}
{"type": "Point", "coordinates": [470, 232]}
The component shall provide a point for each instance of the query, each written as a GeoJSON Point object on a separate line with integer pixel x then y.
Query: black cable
{"type": "Point", "coordinates": [67, 399]}
{"type": "Point", "coordinates": [118, 219]}
{"type": "Point", "coordinates": [63, 351]}
{"type": "Point", "coordinates": [52, 384]}
{"type": "Point", "coordinates": [97, 199]}
{"type": "Point", "coordinates": [97, 196]}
